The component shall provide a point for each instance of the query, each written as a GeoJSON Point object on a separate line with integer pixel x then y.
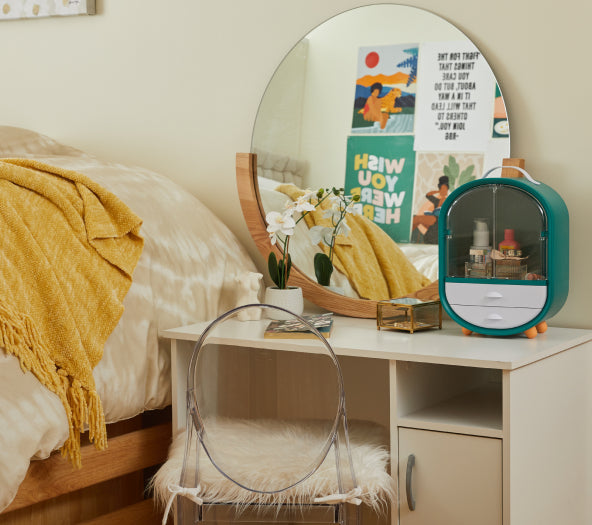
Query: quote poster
{"type": "Point", "coordinates": [381, 170]}
{"type": "Point", "coordinates": [457, 91]}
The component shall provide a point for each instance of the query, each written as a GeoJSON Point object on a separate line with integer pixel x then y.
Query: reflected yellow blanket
{"type": "Point", "coordinates": [67, 253]}
{"type": "Point", "coordinates": [375, 266]}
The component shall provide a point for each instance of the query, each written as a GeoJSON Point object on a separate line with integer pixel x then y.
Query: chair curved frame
{"type": "Point", "coordinates": [196, 422]}
{"type": "Point", "coordinates": [193, 408]}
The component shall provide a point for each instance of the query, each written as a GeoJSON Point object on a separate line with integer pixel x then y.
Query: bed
{"type": "Point", "coordinates": [187, 272]}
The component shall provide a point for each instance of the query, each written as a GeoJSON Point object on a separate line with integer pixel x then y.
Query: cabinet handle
{"type": "Point", "coordinates": [408, 480]}
{"type": "Point", "coordinates": [494, 295]}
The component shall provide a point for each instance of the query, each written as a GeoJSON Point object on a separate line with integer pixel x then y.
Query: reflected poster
{"type": "Point", "coordinates": [385, 89]}
{"type": "Point", "coordinates": [381, 170]}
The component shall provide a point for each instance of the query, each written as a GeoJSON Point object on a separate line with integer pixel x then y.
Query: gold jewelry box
{"type": "Point", "coordinates": [409, 314]}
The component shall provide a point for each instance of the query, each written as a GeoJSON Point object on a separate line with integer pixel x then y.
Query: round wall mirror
{"type": "Point", "coordinates": [395, 106]}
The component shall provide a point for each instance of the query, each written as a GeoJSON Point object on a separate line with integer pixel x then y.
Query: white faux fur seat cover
{"type": "Point", "coordinates": [369, 450]}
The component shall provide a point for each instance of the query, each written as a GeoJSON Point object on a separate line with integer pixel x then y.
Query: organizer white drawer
{"type": "Point", "coordinates": [512, 295]}
{"type": "Point", "coordinates": [495, 317]}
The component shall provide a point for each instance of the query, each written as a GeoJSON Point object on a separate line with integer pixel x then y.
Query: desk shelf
{"type": "Point", "coordinates": [477, 412]}
{"type": "Point", "coordinates": [458, 399]}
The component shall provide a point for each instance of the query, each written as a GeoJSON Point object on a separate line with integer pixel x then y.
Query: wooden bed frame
{"type": "Point", "coordinates": [110, 488]}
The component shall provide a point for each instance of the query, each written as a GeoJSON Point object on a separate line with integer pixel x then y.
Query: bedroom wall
{"type": "Point", "coordinates": [175, 86]}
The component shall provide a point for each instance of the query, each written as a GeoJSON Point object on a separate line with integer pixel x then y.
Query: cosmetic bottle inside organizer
{"type": "Point", "coordinates": [479, 263]}
{"type": "Point", "coordinates": [508, 243]}
{"type": "Point", "coordinates": [508, 261]}
{"type": "Point", "coordinates": [504, 255]}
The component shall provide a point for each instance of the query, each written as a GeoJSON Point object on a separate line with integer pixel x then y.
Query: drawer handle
{"type": "Point", "coordinates": [494, 295]}
{"type": "Point", "coordinates": [494, 317]}
{"type": "Point", "coordinates": [408, 479]}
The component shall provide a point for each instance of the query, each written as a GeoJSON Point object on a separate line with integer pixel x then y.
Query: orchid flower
{"type": "Point", "coordinates": [342, 228]}
{"type": "Point", "coordinates": [333, 214]}
{"type": "Point", "coordinates": [320, 234]}
{"type": "Point", "coordinates": [303, 203]}
{"type": "Point", "coordinates": [355, 208]}
{"type": "Point", "coordinates": [279, 223]}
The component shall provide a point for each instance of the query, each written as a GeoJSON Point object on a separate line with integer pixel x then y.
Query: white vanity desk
{"type": "Point", "coordinates": [501, 428]}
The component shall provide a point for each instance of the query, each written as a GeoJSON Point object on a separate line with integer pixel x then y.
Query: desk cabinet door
{"type": "Point", "coordinates": [455, 480]}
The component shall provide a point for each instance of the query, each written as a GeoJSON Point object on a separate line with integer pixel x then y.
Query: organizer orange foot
{"type": "Point", "coordinates": [531, 333]}
{"type": "Point", "coordinates": [541, 327]}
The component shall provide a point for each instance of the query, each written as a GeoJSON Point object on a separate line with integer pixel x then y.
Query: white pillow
{"type": "Point", "coordinates": [20, 142]}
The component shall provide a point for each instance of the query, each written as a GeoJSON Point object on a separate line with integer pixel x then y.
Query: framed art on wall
{"type": "Point", "coordinates": [14, 9]}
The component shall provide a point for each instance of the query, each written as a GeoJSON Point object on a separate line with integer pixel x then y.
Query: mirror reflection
{"type": "Point", "coordinates": [395, 107]}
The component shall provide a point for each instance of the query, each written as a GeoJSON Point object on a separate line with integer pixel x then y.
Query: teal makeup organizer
{"type": "Point", "coordinates": [504, 255]}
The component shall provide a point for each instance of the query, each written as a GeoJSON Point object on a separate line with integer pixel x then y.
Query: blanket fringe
{"type": "Point", "coordinates": [20, 338]}
{"type": "Point", "coordinates": [97, 430]}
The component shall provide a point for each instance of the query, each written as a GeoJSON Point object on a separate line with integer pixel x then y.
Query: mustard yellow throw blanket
{"type": "Point", "coordinates": [68, 249]}
{"type": "Point", "coordinates": [375, 266]}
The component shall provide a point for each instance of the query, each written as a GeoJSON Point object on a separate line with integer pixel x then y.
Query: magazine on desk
{"type": "Point", "coordinates": [294, 329]}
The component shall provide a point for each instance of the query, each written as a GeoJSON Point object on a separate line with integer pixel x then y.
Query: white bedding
{"type": "Point", "coordinates": [424, 257]}
{"type": "Point", "coordinates": [186, 274]}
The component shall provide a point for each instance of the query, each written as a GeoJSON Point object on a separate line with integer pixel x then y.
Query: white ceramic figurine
{"type": "Point", "coordinates": [248, 286]}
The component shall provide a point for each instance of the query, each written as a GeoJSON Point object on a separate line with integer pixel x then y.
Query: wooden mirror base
{"type": "Point", "coordinates": [248, 192]}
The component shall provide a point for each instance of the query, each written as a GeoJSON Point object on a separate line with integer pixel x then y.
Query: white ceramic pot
{"type": "Point", "coordinates": [289, 298]}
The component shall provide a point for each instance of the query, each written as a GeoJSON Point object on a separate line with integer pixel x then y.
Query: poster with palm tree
{"type": "Point", "coordinates": [385, 89]}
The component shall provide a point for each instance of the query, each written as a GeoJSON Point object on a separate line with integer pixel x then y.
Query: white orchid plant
{"type": "Point", "coordinates": [341, 206]}
{"type": "Point", "coordinates": [280, 227]}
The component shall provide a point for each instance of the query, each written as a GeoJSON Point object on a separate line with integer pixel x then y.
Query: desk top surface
{"type": "Point", "coordinates": [360, 338]}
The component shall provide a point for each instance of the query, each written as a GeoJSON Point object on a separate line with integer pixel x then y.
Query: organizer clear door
{"type": "Point", "coordinates": [496, 231]}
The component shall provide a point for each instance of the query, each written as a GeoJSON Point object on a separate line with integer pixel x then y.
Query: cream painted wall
{"type": "Point", "coordinates": [175, 86]}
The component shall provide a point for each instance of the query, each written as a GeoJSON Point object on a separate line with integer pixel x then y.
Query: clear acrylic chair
{"type": "Point", "coordinates": [267, 433]}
